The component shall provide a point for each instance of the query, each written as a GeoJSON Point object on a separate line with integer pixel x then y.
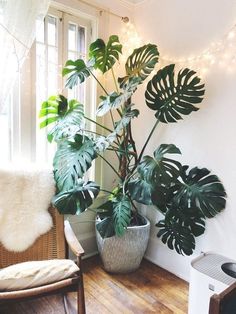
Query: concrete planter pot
{"type": "Point", "coordinates": [124, 254]}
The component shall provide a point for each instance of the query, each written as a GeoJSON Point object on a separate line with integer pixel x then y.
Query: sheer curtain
{"type": "Point", "coordinates": [17, 32]}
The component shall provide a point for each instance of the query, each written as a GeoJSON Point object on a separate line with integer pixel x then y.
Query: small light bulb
{"type": "Point", "coordinates": [231, 35]}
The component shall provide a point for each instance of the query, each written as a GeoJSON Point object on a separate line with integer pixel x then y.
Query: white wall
{"type": "Point", "coordinates": [207, 137]}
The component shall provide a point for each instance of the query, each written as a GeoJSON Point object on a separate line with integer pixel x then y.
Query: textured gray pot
{"type": "Point", "coordinates": [124, 254]}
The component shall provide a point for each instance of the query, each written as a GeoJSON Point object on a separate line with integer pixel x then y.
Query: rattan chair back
{"type": "Point", "coordinates": [48, 246]}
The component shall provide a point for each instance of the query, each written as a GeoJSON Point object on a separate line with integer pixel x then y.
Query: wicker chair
{"type": "Point", "coordinates": [225, 302]}
{"type": "Point", "coordinates": [52, 245]}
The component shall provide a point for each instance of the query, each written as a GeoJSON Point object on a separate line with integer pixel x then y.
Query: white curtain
{"type": "Point", "coordinates": [17, 32]}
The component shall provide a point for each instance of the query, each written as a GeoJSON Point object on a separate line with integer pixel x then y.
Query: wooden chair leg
{"type": "Point", "coordinates": [80, 297]}
{"type": "Point", "coordinates": [65, 303]}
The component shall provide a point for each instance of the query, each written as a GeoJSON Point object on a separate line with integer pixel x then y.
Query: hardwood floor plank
{"type": "Point", "coordinates": [150, 289]}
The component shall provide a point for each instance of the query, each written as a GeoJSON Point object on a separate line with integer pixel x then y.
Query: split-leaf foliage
{"type": "Point", "coordinates": [185, 197]}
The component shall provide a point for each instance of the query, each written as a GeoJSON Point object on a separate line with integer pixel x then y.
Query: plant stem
{"type": "Point", "coordinates": [106, 191]}
{"type": "Point", "coordinates": [113, 75]}
{"type": "Point", "coordinates": [102, 126]}
{"type": "Point", "coordinates": [89, 131]}
{"type": "Point", "coordinates": [113, 148]}
{"type": "Point", "coordinates": [117, 90]}
{"type": "Point", "coordinates": [112, 119]}
{"type": "Point", "coordinates": [132, 142]}
{"type": "Point", "coordinates": [145, 145]}
{"type": "Point", "coordinates": [109, 165]}
{"type": "Point", "coordinates": [130, 175]}
{"type": "Point", "coordinates": [98, 82]}
{"type": "Point", "coordinates": [142, 151]}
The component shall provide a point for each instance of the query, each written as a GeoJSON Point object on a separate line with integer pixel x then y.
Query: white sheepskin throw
{"type": "Point", "coordinates": [25, 196]}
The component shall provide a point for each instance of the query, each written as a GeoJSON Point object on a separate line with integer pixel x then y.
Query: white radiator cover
{"type": "Point", "coordinates": [206, 279]}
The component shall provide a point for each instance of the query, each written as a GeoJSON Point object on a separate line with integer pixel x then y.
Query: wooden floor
{"type": "Point", "coordinates": [148, 290]}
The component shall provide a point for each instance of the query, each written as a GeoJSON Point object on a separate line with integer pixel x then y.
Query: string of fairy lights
{"type": "Point", "coordinates": [221, 52]}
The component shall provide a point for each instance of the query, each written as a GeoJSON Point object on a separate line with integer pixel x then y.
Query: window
{"type": "Point", "coordinates": [62, 36]}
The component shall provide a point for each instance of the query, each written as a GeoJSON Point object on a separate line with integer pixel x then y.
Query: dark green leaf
{"type": "Point", "coordinates": [177, 237]}
{"type": "Point", "coordinates": [141, 191]}
{"type": "Point", "coordinates": [78, 71]}
{"type": "Point", "coordinates": [121, 214]}
{"type": "Point", "coordinates": [106, 227]}
{"type": "Point", "coordinates": [105, 55]}
{"type": "Point", "coordinates": [171, 98]}
{"type": "Point", "coordinates": [202, 190]}
{"type": "Point", "coordinates": [72, 160]}
{"type": "Point", "coordinates": [77, 199]}
{"type": "Point", "coordinates": [141, 62]}
{"type": "Point", "coordinates": [160, 169]}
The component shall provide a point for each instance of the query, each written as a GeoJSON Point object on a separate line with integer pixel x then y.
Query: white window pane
{"type": "Point", "coordinates": [52, 24]}
{"type": "Point", "coordinates": [41, 72]}
{"type": "Point", "coordinates": [4, 137]}
{"type": "Point", "coordinates": [52, 70]}
{"type": "Point", "coordinates": [72, 93]}
{"type": "Point", "coordinates": [39, 31]}
{"type": "Point", "coordinates": [72, 37]}
{"type": "Point", "coordinates": [81, 41]}
{"type": "Point", "coordinates": [72, 55]}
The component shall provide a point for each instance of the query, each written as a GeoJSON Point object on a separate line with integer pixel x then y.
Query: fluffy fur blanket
{"type": "Point", "coordinates": [25, 195]}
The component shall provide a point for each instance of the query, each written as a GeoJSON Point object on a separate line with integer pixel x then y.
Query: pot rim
{"type": "Point", "coordinates": [141, 226]}
{"type": "Point", "coordinates": [133, 227]}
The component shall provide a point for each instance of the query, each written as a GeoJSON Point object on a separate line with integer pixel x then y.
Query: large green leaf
{"type": "Point", "coordinates": [52, 109]}
{"type": "Point", "coordinates": [72, 160]}
{"type": "Point", "coordinates": [77, 199]}
{"type": "Point", "coordinates": [68, 124]}
{"type": "Point", "coordinates": [115, 100]}
{"type": "Point", "coordinates": [176, 236]}
{"type": "Point", "coordinates": [202, 190]}
{"type": "Point", "coordinates": [160, 169]}
{"type": "Point", "coordinates": [179, 228]}
{"type": "Point", "coordinates": [173, 97]}
{"type": "Point", "coordinates": [105, 55]}
{"type": "Point", "coordinates": [141, 62]}
{"type": "Point", "coordinates": [141, 191]}
{"type": "Point", "coordinates": [66, 116]}
{"type": "Point", "coordinates": [121, 214]}
{"type": "Point", "coordinates": [78, 71]}
{"type": "Point", "coordinates": [106, 226]}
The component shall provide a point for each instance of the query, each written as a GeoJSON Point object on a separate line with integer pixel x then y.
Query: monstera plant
{"type": "Point", "coordinates": [185, 197]}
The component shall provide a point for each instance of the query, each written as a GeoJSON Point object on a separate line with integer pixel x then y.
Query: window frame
{"type": "Point", "coordinates": [23, 135]}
